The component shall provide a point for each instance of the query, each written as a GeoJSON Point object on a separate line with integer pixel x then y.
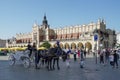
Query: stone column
{"type": "Point", "coordinates": [38, 37]}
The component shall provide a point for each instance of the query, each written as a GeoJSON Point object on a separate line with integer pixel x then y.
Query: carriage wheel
{"type": "Point", "coordinates": [11, 59]}
{"type": "Point", "coordinates": [32, 59]}
{"type": "Point", "coordinates": [26, 62]}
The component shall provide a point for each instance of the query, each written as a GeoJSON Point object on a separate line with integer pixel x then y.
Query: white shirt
{"type": "Point", "coordinates": [111, 58]}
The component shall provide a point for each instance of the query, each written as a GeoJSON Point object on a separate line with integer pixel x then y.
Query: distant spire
{"type": "Point", "coordinates": [102, 20]}
{"type": "Point", "coordinates": [44, 16]}
{"type": "Point", "coordinates": [35, 23]}
{"type": "Point", "coordinates": [99, 20]}
{"type": "Point", "coordinates": [45, 20]}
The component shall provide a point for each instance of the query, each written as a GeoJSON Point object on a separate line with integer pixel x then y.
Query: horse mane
{"type": "Point", "coordinates": [51, 50]}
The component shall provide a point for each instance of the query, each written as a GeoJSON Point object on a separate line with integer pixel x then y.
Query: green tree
{"type": "Point", "coordinates": [46, 44]}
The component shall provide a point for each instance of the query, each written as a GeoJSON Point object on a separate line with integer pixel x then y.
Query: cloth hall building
{"type": "Point", "coordinates": [78, 36]}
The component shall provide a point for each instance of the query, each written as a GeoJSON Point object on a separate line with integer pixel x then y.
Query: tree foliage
{"type": "Point", "coordinates": [46, 44]}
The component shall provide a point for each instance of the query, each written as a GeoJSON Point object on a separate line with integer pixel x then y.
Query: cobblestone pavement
{"type": "Point", "coordinates": [91, 71]}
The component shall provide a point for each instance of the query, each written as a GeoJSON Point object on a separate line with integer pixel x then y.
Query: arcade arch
{"type": "Point", "coordinates": [80, 45]}
{"type": "Point", "coordinates": [61, 45]}
{"type": "Point", "coordinates": [67, 46]}
{"type": "Point", "coordinates": [73, 46]}
{"type": "Point", "coordinates": [54, 45]}
{"type": "Point", "coordinates": [88, 46]}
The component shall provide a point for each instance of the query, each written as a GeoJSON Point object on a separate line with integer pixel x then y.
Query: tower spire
{"type": "Point", "coordinates": [45, 20]}
{"type": "Point", "coordinates": [35, 23]}
{"type": "Point", "coordinates": [44, 16]}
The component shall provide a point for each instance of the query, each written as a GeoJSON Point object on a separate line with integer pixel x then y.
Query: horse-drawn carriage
{"type": "Point", "coordinates": [23, 56]}
{"type": "Point", "coordinates": [20, 56]}
{"type": "Point", "coordinates": [51, 56]}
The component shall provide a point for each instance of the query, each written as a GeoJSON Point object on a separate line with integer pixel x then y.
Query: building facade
{"type": "Point", "coordinates": [77, 36]}
{"type": "Point", "coordinates": [118, 38]}
{"type": "Point", "coordinates": [2, 43]}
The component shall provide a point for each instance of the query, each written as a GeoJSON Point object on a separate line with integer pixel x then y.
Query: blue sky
{"type": "Point", "coordinates": [18, 16]}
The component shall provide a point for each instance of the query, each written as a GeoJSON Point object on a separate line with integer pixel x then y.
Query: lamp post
{"type": "Point", "coordinates": [96, 39]}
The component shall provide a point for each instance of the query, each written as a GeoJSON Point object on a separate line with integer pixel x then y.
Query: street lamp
{"type": "Point", "coordinates": [96, 39]}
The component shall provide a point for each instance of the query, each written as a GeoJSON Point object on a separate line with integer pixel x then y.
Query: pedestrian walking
{"type": "Point", "coordinates": [116, 58]}
{"type": "Point", "coordinates": [37, 57]}
{"type": "Point", "coordinates": [68, 58]}
{"type": "Point", "coordinates": [111, 59]}
{"type": "Point", "coordinates": [107, 54]}
{"type": "Point", "coordinates": [102, 57]}
{"type": "Point", "coordinates": [68, 61]}
{"type": "Point", "coordinates": [78, 52]}
{"type": "Point", "coordinates": [85, 53]}
{"type": "Point", "coordinates": [74, 55]}
{"type": "Point", "coordinates": [81, 59]}
{"type": "Point", "coordinates": [29, 47]}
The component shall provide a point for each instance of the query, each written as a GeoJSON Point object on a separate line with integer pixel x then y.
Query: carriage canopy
{"type": "Point", "coordinates": [42, 48]}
